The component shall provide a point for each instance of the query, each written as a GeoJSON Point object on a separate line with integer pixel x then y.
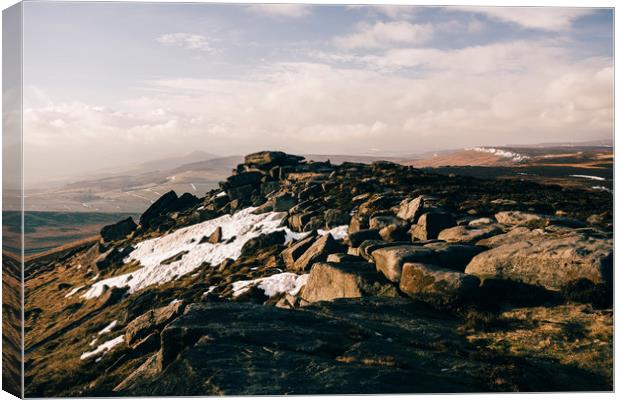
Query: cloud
{"type": "Point", "coordinates": [519, 92]}
{"type": "Point", "coordinates": [544, 18]}
{"type": "Point", "coordinates": [383, 34]}
{"type": "Point", "coordinates": [282, 10]}
{"type": "Point", "coordinates": [187, 41]}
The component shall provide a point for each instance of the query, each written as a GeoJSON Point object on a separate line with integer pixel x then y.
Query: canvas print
{"type": "Point", "coordinates": [295, 199]}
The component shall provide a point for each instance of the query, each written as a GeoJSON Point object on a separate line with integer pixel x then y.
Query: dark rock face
{"type": "Point", "coordinates": [270, 159]}
{"type": "Point", "coordinates": [112, 258]}
{"type": "Point", "coordinates": [430, 224]}
{"type": "Point", "coordinates": [118, 230]}
{"type": "Point", "coordinates": [162, 206]}
{"type": "Point", "coordinates": [151, 321]}
{"type": "Point", "coordinates": [340, 347]}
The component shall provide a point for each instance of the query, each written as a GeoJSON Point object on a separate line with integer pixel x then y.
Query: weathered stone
{"type": "Point", "coordinates": [112, 258]}
{"type": "Point", "coordinates": [454, 256]}
{"type": "Point", "coordinates": [515, 235]}
{"type": "Point", "coordinates": [318, 251]}
{"type": "Point", "coordinates": [242, 179]}
{"type": "Point", "coordinates": [152, 320]}
{"type": "Point", "coordinates": [430, 224]}
{"type": "Point", "coordinates": [242, 193]}
{"type": "Point", "coordinates": [335, 217]}
{"type": "Point", "coordinates": [550, 261]}
{"type": "Point", "coordinates": [436, 285]}
{"type": "Point", "coordinates": [512, 218]}
{"type": "Point", "coordinates": [395, 233]}
{"type": "Point", "coordinates": [411, 210]}
{"type": "Point", "coordinates": [292, 253]}
{"type": "Point", "coordinates": [329, 281]}
{"type": "Point", "coordinates": [118, 230]}
{"type": "Point", "coordinates": [356, 238]}
{"type": "Point", "coordinates": [357, 224]}
{"type": "Point", "coordinates": [262, 241]}
{"type": "Point", "coordinates": [389, 260]}
{"type": "Point", "coordinates": [214, 237]}
{"type": "Point", "coordinates": [187, 200]}
{"type": "Point", "coordinates": [481, 222]}
{"type": "Point", "coordinates": [381, 221]}
{"type": "Point", "coordinates": [342, 257]}
{"type": "Point", "coordinates": [161, 206]}
{"type": "Point", "coordinates": [468, 234]}
{"type": "Point", "coordinates": [283, 202]}
{"type": "Point", "coordinates": [268, 159]}
{"type": "Point", "coordinates": [297, 221]}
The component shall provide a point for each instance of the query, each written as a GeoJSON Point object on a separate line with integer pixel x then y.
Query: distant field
{"type": "Point", "coordinates": [47, 230]}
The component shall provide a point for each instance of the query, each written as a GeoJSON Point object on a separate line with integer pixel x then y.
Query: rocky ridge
{"type": "Point", "coordinates": [375, 273]}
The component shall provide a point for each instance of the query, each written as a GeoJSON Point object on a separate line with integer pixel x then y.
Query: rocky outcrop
{"type": "Point", "coordinates": [119, 230]}
{"type": "Point", "coordinates": [550, 261]}
{"type": "Point", "coordinates": [390, 260]}
{"type": "Point", "coordinates": [317, 252]}
{"type": "Point", "coordinates": [468, 234]}
{"type": "Point", "coordinates": [430, 224]}
{"type": "Point", "coordinates": [329, 281]}
{"type": "Point", "coordinates": [151, 321]}
{"type": "Point", "coordinates": [436, 285]}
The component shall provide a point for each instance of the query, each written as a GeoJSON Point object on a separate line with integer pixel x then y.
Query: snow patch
{"type": "Point", "coordinates": [237, 229]}
{"type": "Point", "coordinates": [103, 348]}
{"type": "Point", "coordinates": [286, 282]}
{"type": "Point", "coordinates": [603, 188]}
{"type": "Point", "coordinates": [501, 153]}
{"type": "Point", "coordinates": [73, 291]}
{"type": "Point", "coordinates": [594, 178]}
{"type": "Point", "coordinates": [108, 328]}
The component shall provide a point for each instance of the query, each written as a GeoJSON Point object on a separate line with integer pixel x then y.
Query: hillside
{"type": "Point", "coordinates": [300, 277]}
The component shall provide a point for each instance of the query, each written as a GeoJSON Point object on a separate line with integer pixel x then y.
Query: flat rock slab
{"type": "Point", "coordinates": [329, 281]}
{"type": "Point", "coordinates": [468, 234]}
{"type": "Point", "coordinates": [359, 346]}
{"type": "Point", "coordinates": [436, 285]}
{"type": "Point", "coordinates": [549, 261]}
{"type": "Point", "coordinates": [389, 260]}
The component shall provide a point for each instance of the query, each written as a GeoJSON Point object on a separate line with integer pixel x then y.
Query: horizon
{"type": "Point", "coordinates": [307, 79]}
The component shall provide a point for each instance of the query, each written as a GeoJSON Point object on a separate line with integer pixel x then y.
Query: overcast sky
{"type": "Point", "coordinates": [111, 83]}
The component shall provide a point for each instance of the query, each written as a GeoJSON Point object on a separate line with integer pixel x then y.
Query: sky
{"type": "Point", "coordinates": [108, 84]}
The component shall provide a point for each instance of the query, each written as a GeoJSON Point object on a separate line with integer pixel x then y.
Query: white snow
{"type": "Point", "coordinates": [501, 153]}
{"type": "Point", "coordinates": [603, 188]}
{"type": "Point", "coordinates": [238, 228]}
{"type": "Point", "coordinates": [220, 194]}
{"type": "Point", "coordinates": [94, 278]}
{"type": "Point", "coordinates": [594, 178]}
{"type": "Point", "coordinates": [73, 291]}
{"type": "Point", "coordinates": [339, 232]}
{"type": "Point", "coordinates": [108, 328]}
{"type": "Point", "coordinates": [193, 187]}
{"type": "Point", "coordinates": [175, 301]}
{"type": "Point", "coordinates": [103, 348]}
{"type": "Point", "coordinates": [92, 343]}
{"type": "Point", "coordinates": [286, 282]}
{"type": "Point", "coordinates": [211, 288]}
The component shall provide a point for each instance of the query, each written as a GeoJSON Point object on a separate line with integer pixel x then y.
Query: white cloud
{"type": "Point", "coordinates": [187, 41]}
{"type": "Point", "coordinates": [545, 18]}
{"type": "Point", "coordinates": [385, 33]}
{"type": "Point", "coordinates": [282, 10]}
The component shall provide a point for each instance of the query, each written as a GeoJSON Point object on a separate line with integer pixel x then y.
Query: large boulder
{"type": "Point", "coordinates": [550, 261]}
{"type": "Point", "coordinates": [430, 224]}
{"type": "Point", "coordinates": [382, 221]}
{"type": "Point", "coordinates": [454, 256]}
{"type": "Point", "coordinates": [468, 234]}
{"type": "Point", "coordinates": [113, 257]}
{"type": "Point", "coordinates": [251, 178]}
{"type": "Point", "coordinates": [329, 281]}
{"type": "Point", "coordinates": [161, 206]}
{"type": "Point", "coordinates": [410, 210]}
{"type": "Point", "coordinates": [436, 285]}
{"type": "Point", "coordinates": [318, 251]}
{"type": "Point", "coordinates": [152, 320]}
{"type": "Point", "coordinates": [390, 260]}
{"type": "Point", "coordinates": [515, 235]}
{"type": "Point", "coordinates": [118, 230]}
{"type": "Point", "coordinates": [295, 250]}
{"type": "Point", "coordinates": [266, 160]}
{"type": "Point", "coordinates": [355, 239]}
{"type": "Point", "coordinates": [513, 218]}
{"type": "Point", "coordinates": [283, 202]}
